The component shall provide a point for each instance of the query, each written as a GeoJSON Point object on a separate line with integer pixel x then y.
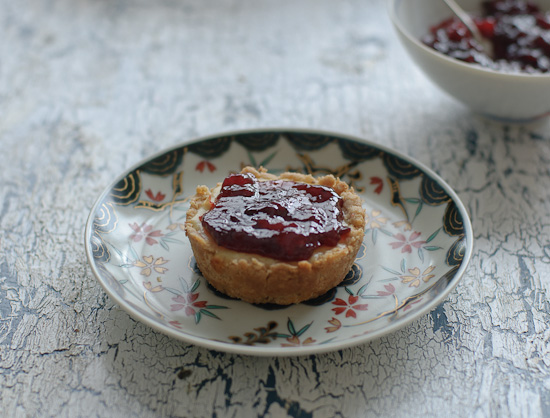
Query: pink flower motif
{"type": "Point", "coordinates": [294, 341]}
{"type": "Point", "coordinates": [390, 290]}
{"type": "Point", "coordinates": [152, 288]}
{"type": "Point", "coordinates": [407, 244]}
{"type": "Point", "coordinates": [205, 164]}
{"type": "Point", "coordinates": [375, 220]}
{"type": "Point", "coordinates": [144, 231]}
{"type": "Point", "coordinates": [379, 184]}
{"type": "Point", "coordinates": [406, 225]}
{"type": "Point", "coordinates": [188, 303]}
{"type": "Point", "coordinates": [174, 226]}
{"type": "Point", "coordinates": [151, 264]}
{"type": "Point", "coordinates": [336, 325]}
{"type": "Point", "coordinates": [349, 307]}
{"type": "Point", "coordinates": [159, 197]}
{"type": "Point", "coordinates": [415, 275]}
{"type": "Point", "coordinates": [175, 324]}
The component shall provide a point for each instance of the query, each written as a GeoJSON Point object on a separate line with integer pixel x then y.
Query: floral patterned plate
{"type": "Point", "coordinates": [417, 244]}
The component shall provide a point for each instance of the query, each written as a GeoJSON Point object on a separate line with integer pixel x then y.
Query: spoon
{"type": "Point", "coordinates": [471, 26]}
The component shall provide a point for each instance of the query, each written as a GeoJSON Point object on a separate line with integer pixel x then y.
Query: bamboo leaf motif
{"type": "Point", "coordinates": [208, 313]}
{"type": "Point", "coordinates": [195, 286]}
{"type": "Point", "coordinates": [303, 329]}
{"type": "Point", "coordinates": [418, 209]}
{"type": "Point", "coordinates": [268, 158]}
{"type": "Point", "coordinates": [290, 327]}
{"type": "Point", "coordinates": [251, 158]}
{"type": "Point", "coordinates": [431, 237]}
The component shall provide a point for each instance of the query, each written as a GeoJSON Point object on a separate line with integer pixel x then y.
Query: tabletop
{"type": "Point", "coordinates": [88, 88]}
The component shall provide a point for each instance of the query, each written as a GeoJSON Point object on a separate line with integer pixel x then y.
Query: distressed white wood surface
{"type": "Point", "coordinates": [90, 87]}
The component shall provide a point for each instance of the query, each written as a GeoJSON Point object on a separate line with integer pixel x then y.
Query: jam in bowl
{"type": "Point", "coordinates": [513, 84]}
{"type": "Point", "coordinates": [518, 31]}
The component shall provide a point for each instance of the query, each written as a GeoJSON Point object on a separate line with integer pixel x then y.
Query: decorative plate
{"type": "Point", "coordinates": [417, 244]}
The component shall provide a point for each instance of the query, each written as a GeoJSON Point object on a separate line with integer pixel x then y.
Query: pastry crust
{"type": "Point", "coordinates": [258, 279]}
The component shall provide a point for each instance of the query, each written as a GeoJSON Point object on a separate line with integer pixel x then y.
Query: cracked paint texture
{"type": "Point", "coordinates": [89, 88]}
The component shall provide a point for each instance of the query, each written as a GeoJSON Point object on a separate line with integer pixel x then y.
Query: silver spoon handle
{"type": "Point", "coordinates": [471, 26]}
{"type": "Point", "coordinates": [466, 19]}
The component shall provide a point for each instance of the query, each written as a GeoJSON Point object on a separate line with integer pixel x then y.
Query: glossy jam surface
{"type": "Point", "coordinates": [280, 219]}
{"type": "Point", "coordinates": [518, 30]}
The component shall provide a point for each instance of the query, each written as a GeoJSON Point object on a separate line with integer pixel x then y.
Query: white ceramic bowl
{"type": "Point", "coordinates": [510, 97]}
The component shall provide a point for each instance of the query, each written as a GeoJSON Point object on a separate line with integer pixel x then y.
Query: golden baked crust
{"type": "Point", "coordinates": [258, 279]}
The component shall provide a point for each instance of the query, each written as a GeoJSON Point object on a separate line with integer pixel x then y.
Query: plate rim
{"type": "Point", "coordinates": [262, 351]}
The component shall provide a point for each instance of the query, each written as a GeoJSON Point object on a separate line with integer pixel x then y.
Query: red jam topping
{"type": "Point", "coordinates": [517, 29]}
{"type": "Point", "coordinates": [280, 219]}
